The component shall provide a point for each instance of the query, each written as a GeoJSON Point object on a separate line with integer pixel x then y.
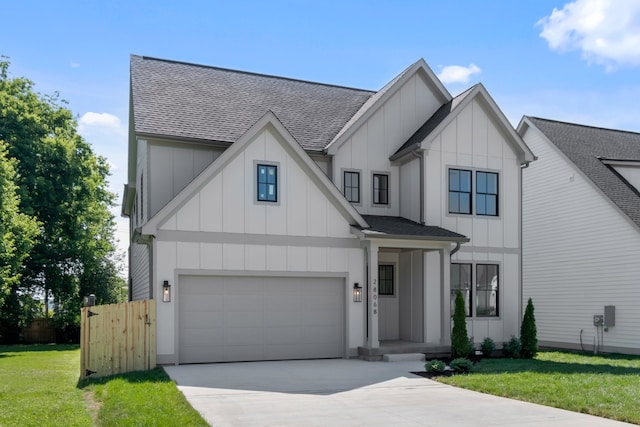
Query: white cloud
{"type": "Point", "coordinates": [607, 32]}
{"type": "Point", "coordinates": [458, 73]}
{"type": "Point", "coordinates": [75, 64]}
{"type": "Point", "coordinates": [104, 120]}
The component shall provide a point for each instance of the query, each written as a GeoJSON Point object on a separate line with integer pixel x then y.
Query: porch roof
{"type": "Point", "coordinates": [395, 227]}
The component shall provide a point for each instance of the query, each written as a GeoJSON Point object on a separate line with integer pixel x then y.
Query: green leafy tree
{"type": "Point", "coordinates": [528, 333]}
{"type": "Point", "coordinates": [460, 346]}
{"type": "Point", "coordinates": [63, 184]}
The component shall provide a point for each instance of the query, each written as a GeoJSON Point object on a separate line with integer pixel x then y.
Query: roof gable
{"type": "Point", "coordinates": [187, 101]}
{"type": "Point", "coordinates": [590, 150]}
{"type": "Point", "coordinates": [423, 137]}
{"type": "Point", "coordinates": [269, 120]}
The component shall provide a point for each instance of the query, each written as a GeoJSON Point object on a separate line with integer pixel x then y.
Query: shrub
{"type": "Point", "coordinates": [528, 333]}
{"type": "Point", "coordinates": [459, 340]}
{"type": "Point", "coordinates": [461, 365]}
{"type": "Point", "coordinates": [512, 347]}
{"type": "Point", "coordinates": [487, 347]}
{"type": "Point", "coordinates": [435, 366]}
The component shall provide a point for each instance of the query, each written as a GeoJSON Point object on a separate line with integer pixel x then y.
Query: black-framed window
{"type": "Point", "coordinates": [267, 180]}
{"type": "Point", "coordinates": [461, 281]}
{"type": "Point", "coordinates": [385, 279]}
{"type": "Point", "coordinates": [486, 193]}
{"type": "Point", "coordinates": [459, 191]}
{"type": "Point", "coordinates": [380, 189]}
{"type": "Point", "coordinates": [482, 299]}
{"type": "Point", "coordinates": [487, 290]}
{"type": "Point", "coordinates": [352, 186]}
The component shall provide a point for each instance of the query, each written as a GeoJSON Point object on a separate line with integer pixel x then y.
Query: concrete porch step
{"type": "Point", "coordinates": [403, 357]}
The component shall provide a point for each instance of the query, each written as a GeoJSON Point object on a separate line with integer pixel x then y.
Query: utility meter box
{"type": "Point", "coordinates": [609, 315]}
{"type": "Point", "coordinates": [598, 320]}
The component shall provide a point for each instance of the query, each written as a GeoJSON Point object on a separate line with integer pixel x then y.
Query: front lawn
{"type": "Point", "coordinates": [39, 386]}
{"type": "Point", "coordinates": [604, 385]}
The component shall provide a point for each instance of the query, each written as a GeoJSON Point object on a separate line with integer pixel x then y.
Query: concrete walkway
{"type": "Point", "coordinates": [350, 393]}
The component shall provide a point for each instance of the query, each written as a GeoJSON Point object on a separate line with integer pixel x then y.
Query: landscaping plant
{"type": "Point", "coordinates": [461, 365]}
{"type": "Point", "coordinates": [435, 366]}
{"type": "Point", "coordinates": [487, 347]}
{"type": "Point", "coordinates": [528, 333]}
{"type": "Point", "coordinates": [460, 346]}
{"type": "Point", "coordinates": [512, 348]}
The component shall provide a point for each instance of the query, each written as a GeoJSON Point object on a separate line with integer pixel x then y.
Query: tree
{"type": "Point", "coordinates": [63, 184]}
{"type": "Point", "coordinates": [460, 346]}
{"type": "Point", "coordinates": [528, 333]}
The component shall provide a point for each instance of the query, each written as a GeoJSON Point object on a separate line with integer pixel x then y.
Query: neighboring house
{"type": "Point", "coordinates": [293, 220]}
{"type": "Point", "coordinates": [581, 222]}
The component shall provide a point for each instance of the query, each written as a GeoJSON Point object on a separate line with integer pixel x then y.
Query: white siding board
{"type": "Point", "coordinates": [139, 271]}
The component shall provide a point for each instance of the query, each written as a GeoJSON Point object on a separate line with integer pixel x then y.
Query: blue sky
{"type": "Point", "coordinates": [575, 60]}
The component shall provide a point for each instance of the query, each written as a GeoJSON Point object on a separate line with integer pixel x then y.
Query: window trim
{"type": "Point", "coordinates": [256, 165]}
{"type": "Point", "coordinates": [344, 185]}
{"type": "Point", "coordinates": [496, 194]}
{"type": "Point", "coordinates": [393, 280]}
{"type": "Point", "coordinates": [473, 307]}
{"type": "Point", "coordinates": [373, 188]}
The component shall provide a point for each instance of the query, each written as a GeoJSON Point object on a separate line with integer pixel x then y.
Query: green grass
{"type": "Point", "coordinates": [605, 385]}
{"type": "Point", "coordinates": [39, 387]}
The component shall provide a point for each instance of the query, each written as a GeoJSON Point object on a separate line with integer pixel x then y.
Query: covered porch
{"type": "Point", "coordinates": [407, 294]}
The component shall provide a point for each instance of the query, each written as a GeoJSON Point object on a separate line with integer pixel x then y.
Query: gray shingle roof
{"type": "Point", "coordinates": [585, 146]}
{"type": "Point", "coordinates": [175, 99]}
{"type": "Point", "coordinates": [394, 226]}
{"type": "Point", "coordinates": [433, 121]}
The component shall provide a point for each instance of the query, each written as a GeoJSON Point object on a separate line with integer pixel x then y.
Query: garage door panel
{"type": "Point", "coordinates": [254, 318]}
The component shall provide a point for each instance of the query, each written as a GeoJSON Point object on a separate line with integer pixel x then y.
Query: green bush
{"type": "Point", "coordinates": [528, 333]}
{"type": "Point", "coordinates": [512, 347]}
{"type": "Point", "coordinates": [436, 366]}
{"type": "Point", "coordinates": [460, 346]}
{"type": "Point", "coordinates": [487, 347]}
{"type": "Point", "coordinates": [461, 365]}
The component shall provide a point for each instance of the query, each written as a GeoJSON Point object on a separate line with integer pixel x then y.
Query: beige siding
{"type": "Point", "coordinates": [580, 254]}
{"type": "Point", "coordinates": [139, 272]}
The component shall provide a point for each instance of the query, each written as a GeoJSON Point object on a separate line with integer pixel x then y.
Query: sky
{"type": "Point", "coordinates": [575, 61]}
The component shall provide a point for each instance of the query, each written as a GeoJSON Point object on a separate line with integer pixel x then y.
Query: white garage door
{"type": "Point", "coordinates": [224, 319]}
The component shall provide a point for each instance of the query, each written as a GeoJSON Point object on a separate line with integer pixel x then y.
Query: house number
{"type": "Point", "coordinates": [375, 297]}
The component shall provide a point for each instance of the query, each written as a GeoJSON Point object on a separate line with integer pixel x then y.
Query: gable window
{"type": "Point", "coordinates": [481, 300]}
{"type": "Point", "coordinates": [486, 193]}
{"type": "Point", "coordinates": [352, 186]}
{"type": "Point", "coordinates": [459, 191]}
{"type": "Point", "coordinates": [380, 189]}
{"type": "Point", "coordinates": [267, 181]}
{"type": "Point", "coordinates": [385, 279]}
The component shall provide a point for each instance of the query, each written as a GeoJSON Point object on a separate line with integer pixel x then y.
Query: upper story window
{"type": "Point", "coordinates": [352, 186]}
{"type": "Point", "coordinates": [380, 189]}
{"type": "Point", "coordinates": [486, 193]}
{"type": "Point", "coordinates": [267, 183]}
{"type": "Point", "coordinates": [459, 191]}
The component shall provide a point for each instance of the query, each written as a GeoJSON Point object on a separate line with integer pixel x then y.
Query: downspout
{"type": "Point", "coordinates": [418, 152]}
{"type": "Point", "coordinates": [522, 167]}
{"type": "Point", "coordinates": [456, 249]}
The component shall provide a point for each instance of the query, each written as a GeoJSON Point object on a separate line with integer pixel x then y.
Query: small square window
{"type": "Point", "coordinates": [380, 189]}
{"type": "Point", "coordinates": [352, 186]}
{"type": "Point", "coordinates": [267, 183]}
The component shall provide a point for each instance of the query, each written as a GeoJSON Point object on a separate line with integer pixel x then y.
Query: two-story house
{"type": "Point", "coordinates": [273, 218]}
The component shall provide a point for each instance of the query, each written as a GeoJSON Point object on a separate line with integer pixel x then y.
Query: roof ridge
{"type": "Point", "coordinates": [583, 125]}
{"type": "Point", "coordinates": [250, 73]}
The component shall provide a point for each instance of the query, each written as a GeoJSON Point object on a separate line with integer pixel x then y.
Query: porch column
{"type": "Point", "coordinates": [445, 283]}
{"type": "Point", "coordinates": [372, 296]}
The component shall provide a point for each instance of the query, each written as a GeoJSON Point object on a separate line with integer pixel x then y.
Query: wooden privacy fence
{"type": "Point", "coordinates": [117, 338]}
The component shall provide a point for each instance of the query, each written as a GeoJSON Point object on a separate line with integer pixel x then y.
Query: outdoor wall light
{"type": "Point", "coordinates": [357, 293]}
{"type": "Point", "coordinates": [166, 291]}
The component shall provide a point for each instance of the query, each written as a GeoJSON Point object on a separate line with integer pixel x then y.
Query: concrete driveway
{"type": "Point", "coordinates": [341, 392]}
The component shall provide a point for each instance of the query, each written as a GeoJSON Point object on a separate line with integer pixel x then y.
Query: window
{"type": "Point", "coordinates": [486, 290]}
{"type": "Point", "coordinates": [352, 186]}
{"type": "Point", "coordinates": [380, 189]}
{"type": "Point", "coordinates": [461, 281]}
{"type": "Point", "coordinates": [267, 183]}
{"type": "Point", "coordinates": [481, 300]}
{"type": "Point", "coordinates": [385, 280]}
{"type": "Point", "coordinates": [486, 193]}
{"type": "Point", "coordinates": [459, 191]}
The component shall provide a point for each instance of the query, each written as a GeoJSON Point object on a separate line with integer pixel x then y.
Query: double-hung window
{"type": "Point", "coordinates": [267, 183]}
{"type": "Point", "coordinates": [380, 189]}
{"type": "Point", "coordinates": [459, 191]}
{"type": "Point", "coordinates": [486, 193]}
{"type": "Point", "coordinates": [351, 182]}
{"type": "Point", "coordinates": [385, 279]}
{"type": "Point", "coordinates": [481, 299]}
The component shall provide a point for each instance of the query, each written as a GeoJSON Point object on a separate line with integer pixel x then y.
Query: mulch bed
{"type": "Point", "coordinates": [447, 360]}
